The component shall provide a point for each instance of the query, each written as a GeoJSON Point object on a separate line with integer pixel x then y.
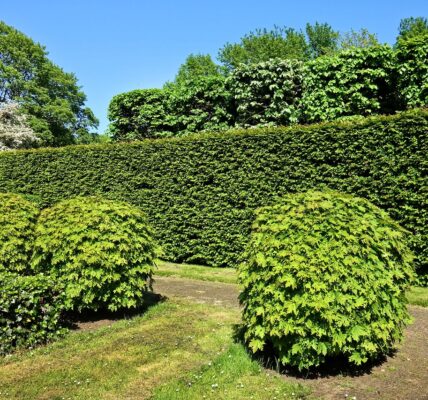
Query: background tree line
{"type": "Point", "coordinates": [282, 77]}
{"type": "Point", "coordinates": [270, 77]}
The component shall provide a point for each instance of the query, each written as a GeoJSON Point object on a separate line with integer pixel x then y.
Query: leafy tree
{"type": "Point", "coordinates": [14, 130]}
{"type": "Point", "coordinates": [322, 39]}
{"type": "Point", "coordinates": [262, 45]}
{"type": "Point", "coordinates": [361, 39]}
{"type": "Point", "coordinates": [411, 27]}
{"type": "Point", "coordinates": [195, 66]}
{"type": "Point", "coordinates": [51, 97]}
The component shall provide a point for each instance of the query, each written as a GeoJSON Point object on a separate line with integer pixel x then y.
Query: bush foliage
{"type": "Point", "coordinates": [100, 250]}
{"type": "Point", "coordinates": [200, 192]}
{"type": "Point", "coordinates": [365, 80]}
{"type": "Point", "coordinates": [412, 61]}
{"type": "Point", "coordinates": [359, 81]}
{"type": "Point", "coordinates": [267, 93]}
{"type": "Point", "coordinates": [30, 310]}
{"type": "Point", "coordinates": [325, 275]}
{"type": "Point", "coordinates": [17, 223]}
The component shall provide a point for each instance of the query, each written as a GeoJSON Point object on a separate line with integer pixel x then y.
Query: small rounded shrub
{"type": "Point", "coordinates": [31, 310]}
{"type": "Point", "coordinates": [17, 222]}
{"type": "Point", "coordinates": [324, 276]}
{"type": "Point", "coordinates": [101, 250]}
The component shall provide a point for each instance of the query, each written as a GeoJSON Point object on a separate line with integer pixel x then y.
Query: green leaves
{"type": "Point", "coordinates": [17, 223]}
{"type": "Point", "coordinates": [322, 290]}
{"type": "Point", "coordinates": [31, 309]}
{"type": "Point", "coordinates": [273, 86]}
{"type": "Point", "coordinates": [100, 250]}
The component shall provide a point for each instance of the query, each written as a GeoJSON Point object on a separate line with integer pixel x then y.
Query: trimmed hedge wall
{"type": "Point", "coordinates": [200, 192]}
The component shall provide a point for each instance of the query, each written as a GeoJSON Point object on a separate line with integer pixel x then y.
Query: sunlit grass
{"type": "Point", "coordinates": [225, 275]}
{"type": "Point", "coordinates": [418, 296]}
{"type": "Point", "coordinates": [232, 375]}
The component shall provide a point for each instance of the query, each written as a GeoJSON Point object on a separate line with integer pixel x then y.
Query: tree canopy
{"type": "Point", "coordinates": [411, 27]}
{"type": "Point", "coordinates": [54, 102]}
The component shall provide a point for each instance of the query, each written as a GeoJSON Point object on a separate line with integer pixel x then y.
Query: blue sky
{"type": "Point", "coordinates": [116, 46]}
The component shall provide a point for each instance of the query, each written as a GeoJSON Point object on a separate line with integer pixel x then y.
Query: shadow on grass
{"type": "Point", "coordinates": [87, 319]}
{"type": "Point", "coordinates": [333, 366]}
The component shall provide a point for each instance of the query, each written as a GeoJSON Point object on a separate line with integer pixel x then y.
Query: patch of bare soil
{"type": "Point", "coordinates": [222, 294]}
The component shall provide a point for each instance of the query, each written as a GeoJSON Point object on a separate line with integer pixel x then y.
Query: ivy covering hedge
{"type": "Point", "coordinates": [325, 275]}
{"type": "Point", "coordinates": [200, 192]}
{"type": "Point", "coordinates": [30, 310]}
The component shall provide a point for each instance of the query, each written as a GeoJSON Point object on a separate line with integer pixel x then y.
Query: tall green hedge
{"type": "Point", "coordinates": [358, 81]}
{"type": "Point", "coordinates": [200, 192]}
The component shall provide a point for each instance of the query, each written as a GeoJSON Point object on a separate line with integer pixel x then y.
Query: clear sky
{"type": "Point", "coordinates": [116, 46]}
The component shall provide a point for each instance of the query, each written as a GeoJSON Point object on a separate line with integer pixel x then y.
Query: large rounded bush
{"type": "Point", "coordinates": [102, 251]}
{"type": "Point", "coordinates": [324, 275]}
{"type": "Point", "coordinates": [17, 221]}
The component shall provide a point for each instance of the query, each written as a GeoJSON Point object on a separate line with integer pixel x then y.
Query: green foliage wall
{"type": "Point", "coordinates": [375, 79]}
{"type": "Point", "coordinates": [200, 192]}
{"type": "Point", "coordinates": [267, 93]}
{"type": "Point", "coordinates": [412, 61]}
{"type": "Point", "coordinates": [355, 82]}
{"type": "Point", "coordinates": [139, 114]}
{"type": "Point", "coordinates": [177, 110]}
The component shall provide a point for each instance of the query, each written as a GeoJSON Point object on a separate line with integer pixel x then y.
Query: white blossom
{"type": "Point", "coordinates": [15, 133]}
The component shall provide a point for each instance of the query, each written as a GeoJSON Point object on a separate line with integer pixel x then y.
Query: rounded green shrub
{"type": "Point", "coordinates": [17, 222]}
{"type": "Point", "coordinates": [31, 309]}
{"type": "Point", "coordinates": [102, 251]}
{"type": "Point", "coordinates": [324, 275]}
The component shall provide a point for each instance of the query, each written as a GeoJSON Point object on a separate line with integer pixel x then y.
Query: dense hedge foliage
{"type": "Point", "coordinates": [205, 104]}
{"type": "Point", "coordinates": [325, 275]}
{"type": "Point", "coordinates": [361, 81]}
{"type": "Point", "coordinates": [200, 192]}
{"type": "Point", "coordinates": [139, 114]}
{"type": "Point", "coordinates": [267, 93]}
{"type": "Point", "coordinates": [101, 251]}
{"type": "Point", "coordinates": [412, 61]}
{"type": "Point", "coordinates": [30, 310]}
{"type": "Point", "coordinates": [17, 222]}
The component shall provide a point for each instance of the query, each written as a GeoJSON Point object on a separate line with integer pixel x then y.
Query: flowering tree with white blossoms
{"type": "Point", "coordinates": [15, 133]}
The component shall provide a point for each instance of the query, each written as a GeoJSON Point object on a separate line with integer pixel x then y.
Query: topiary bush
{"type": "Point", "coordinates": [31, 310]}
{"type": "Point", "coordinates": [324, 275]}
{"type": "Point", "coordinates": [101, 250]}
{"type": "Point", "coordinates": [17, 222]}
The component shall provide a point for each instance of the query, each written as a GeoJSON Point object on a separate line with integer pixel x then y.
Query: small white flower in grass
{"type": "Point", "coordinates": [214, 385]}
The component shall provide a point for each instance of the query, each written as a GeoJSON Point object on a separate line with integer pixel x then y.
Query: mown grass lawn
{"type": "Point", "coordinates": [176, 350]}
